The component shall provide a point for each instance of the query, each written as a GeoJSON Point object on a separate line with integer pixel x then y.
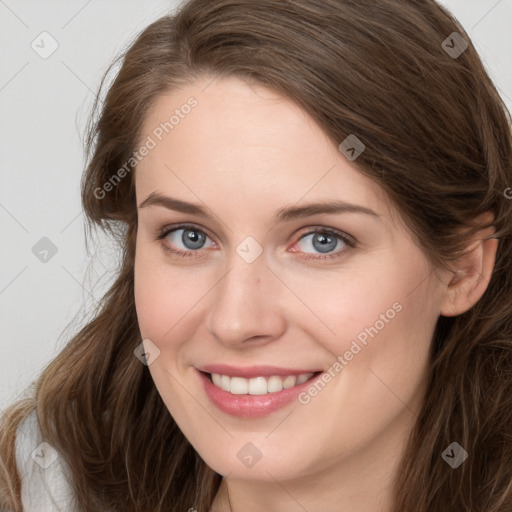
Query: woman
{"type": "Point", "coordinates": [313, 310]}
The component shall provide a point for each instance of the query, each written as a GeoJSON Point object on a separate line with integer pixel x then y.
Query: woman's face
{"type": "Point", "coordinates": [265, 286]}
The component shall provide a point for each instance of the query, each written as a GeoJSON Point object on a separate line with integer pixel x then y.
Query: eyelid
{"type": "Point", "coordinates": [319, 229]}
{"type": "Point", "coordinates": [163, 232]}
{"type": "Point", "coordinates": [346, 238]}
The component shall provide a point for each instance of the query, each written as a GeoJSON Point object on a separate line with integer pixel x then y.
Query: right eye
{"type": "Point", "coordinates": [184, 240]}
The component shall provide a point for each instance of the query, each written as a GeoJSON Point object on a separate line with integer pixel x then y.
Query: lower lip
{"type": "Point", "coordinates": [252, 406]}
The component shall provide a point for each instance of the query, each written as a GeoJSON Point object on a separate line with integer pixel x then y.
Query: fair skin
{"type": "Point", "coordinates": [243, 153]}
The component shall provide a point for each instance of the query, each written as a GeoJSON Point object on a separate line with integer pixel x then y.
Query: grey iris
{"type": "Point", "coordinates": [192, 239]}
{"type": "Point", "coordinates": [326, 243]}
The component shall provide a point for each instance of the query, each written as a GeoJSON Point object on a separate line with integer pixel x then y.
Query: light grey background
{"type": "Point", "coordinates": [44, 104]}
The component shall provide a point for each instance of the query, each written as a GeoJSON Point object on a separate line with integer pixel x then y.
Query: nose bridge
{"type": "Point", "coordinates": [245, 302]}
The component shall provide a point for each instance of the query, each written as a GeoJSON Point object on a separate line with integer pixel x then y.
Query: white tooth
{"type": "Point", "coordinates": [303, 378]}
{"type": "Point", "coordinates": [289, 381]}
{"type": "Point", "coordinates": [239, 386]}
{"type": "Point", "coordinates": [274, 384]}
{"type": "Point", "coordinates": [225, 382]}
{"type": "Point", "coordinates": [258, 386]}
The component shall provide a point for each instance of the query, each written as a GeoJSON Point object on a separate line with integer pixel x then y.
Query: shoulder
{"type": "Point", "coordinates": [44, 482]}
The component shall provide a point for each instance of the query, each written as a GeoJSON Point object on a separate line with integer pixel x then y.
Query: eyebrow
{"type": "Point", "coordinates": [282, 215]}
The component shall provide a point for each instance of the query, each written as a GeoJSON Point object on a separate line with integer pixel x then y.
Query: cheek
{"type": "Point", "coordinates": [383, 328]}
{"type": "Point", "coordinates": [354, 302]}
{"type": "Point", "coordinates": [377, 297]}
{"type": "Point", "coordinates": [156, 295]}
{"type": "Point", "coordinates": [379, 319]}
{"type": "Point", "coordinates": [165, 298]}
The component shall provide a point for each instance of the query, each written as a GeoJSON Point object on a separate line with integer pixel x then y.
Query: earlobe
{"type": "Point", "coordinates": [472, 277]}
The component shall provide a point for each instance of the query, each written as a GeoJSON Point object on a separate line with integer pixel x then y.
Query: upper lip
{"type": "Point", "coordinates": [252, 371]}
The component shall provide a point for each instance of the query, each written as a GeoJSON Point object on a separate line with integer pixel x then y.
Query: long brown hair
{"type": "Point", "coordinates": [438, 141]}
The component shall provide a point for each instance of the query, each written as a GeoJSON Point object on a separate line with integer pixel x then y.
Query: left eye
{"type": "Point", "coordinates": [192, 239]}
{"type": "Point", "coordinates": [188, 241]}
{"type": "Point", "coordinates": [322, 241]}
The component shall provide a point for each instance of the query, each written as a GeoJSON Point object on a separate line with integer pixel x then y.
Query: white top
{"type": "Point", "coordinates": [44, 486]}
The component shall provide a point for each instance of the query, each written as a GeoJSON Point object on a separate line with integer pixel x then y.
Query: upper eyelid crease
{"type": "Point", "coordinates": [282, 215]}
{"type": "Point", "coordinates": [346, 238]}
{"type": "Point", "coordinates": [165, 231]}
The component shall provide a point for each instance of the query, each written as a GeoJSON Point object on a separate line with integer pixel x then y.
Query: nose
{"type": "Point", "coordinates": [246, 305]}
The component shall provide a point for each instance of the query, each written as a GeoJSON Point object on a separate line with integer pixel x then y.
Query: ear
{"type": "Point", "coordinates": [473, 273]}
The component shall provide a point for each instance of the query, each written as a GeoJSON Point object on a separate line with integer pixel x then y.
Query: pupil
{"type": "Point", "coordinates": [326, 242]}
{"type": "Point", "coordinates": [192, 239]}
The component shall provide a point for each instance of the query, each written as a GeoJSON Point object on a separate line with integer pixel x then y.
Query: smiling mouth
{"type": "Point", "coordinates": [258, 385]}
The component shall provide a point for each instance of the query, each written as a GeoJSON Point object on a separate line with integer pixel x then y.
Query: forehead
{"type": "Point", "coordinates": [221, 139]}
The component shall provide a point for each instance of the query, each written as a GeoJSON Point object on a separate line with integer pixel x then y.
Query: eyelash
{"type": "Point", "coordinates": [349, 241]}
